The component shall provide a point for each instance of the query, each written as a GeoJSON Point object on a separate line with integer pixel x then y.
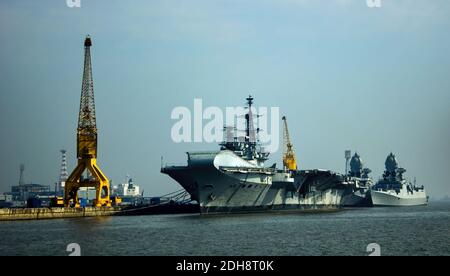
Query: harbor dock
{"type": "Point", "coordinates": [10, 214]}
{"type": "Point", "coordinates": [55, 213]}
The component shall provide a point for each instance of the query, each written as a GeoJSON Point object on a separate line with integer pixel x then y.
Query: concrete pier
{"type": "Point", "coordinates": [54, 213]}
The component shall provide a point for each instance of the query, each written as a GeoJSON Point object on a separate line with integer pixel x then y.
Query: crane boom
{"type": "Point", "coordinates": [289, 160]}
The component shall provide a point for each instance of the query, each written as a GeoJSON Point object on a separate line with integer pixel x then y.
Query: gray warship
{"type": "Point", "coordinates": [394, 190]}
{"type": "Point", "coordinates": [234, 179]}
{"type": "Point", "coordinates": [360, 184]}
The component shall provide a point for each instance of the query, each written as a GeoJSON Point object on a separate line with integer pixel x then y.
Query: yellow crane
{"type": "Point", "coordinates": [87, 145]}
{"type": "Point", "coordinates": [289, 161]}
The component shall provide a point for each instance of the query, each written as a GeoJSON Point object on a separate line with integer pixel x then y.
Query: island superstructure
{"type": "Point", "coordinates": [360, 183]}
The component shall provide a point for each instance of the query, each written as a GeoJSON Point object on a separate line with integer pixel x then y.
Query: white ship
{"type": "Point", "coordinates": [394, 190]}
{"type": "Point", "coordinates": [129, 192]}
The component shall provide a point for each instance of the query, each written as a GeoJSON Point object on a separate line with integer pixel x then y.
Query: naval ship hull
{"type": "Point", "coordinates": [358, 198]}
{"type": "Point", "coordinates": [219, 187]}
{"type": "Point", "coordinates": [390, 198]}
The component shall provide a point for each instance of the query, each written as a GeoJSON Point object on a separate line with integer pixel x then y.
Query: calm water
{"type": "Point", "coordinates": [399, 231]}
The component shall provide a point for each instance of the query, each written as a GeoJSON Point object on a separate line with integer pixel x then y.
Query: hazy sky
{"type": "Point", "coordinates": [347, 76]}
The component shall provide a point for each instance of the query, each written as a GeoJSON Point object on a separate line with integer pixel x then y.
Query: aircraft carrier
{"type": "Point", "coordinates": [234, 179]}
